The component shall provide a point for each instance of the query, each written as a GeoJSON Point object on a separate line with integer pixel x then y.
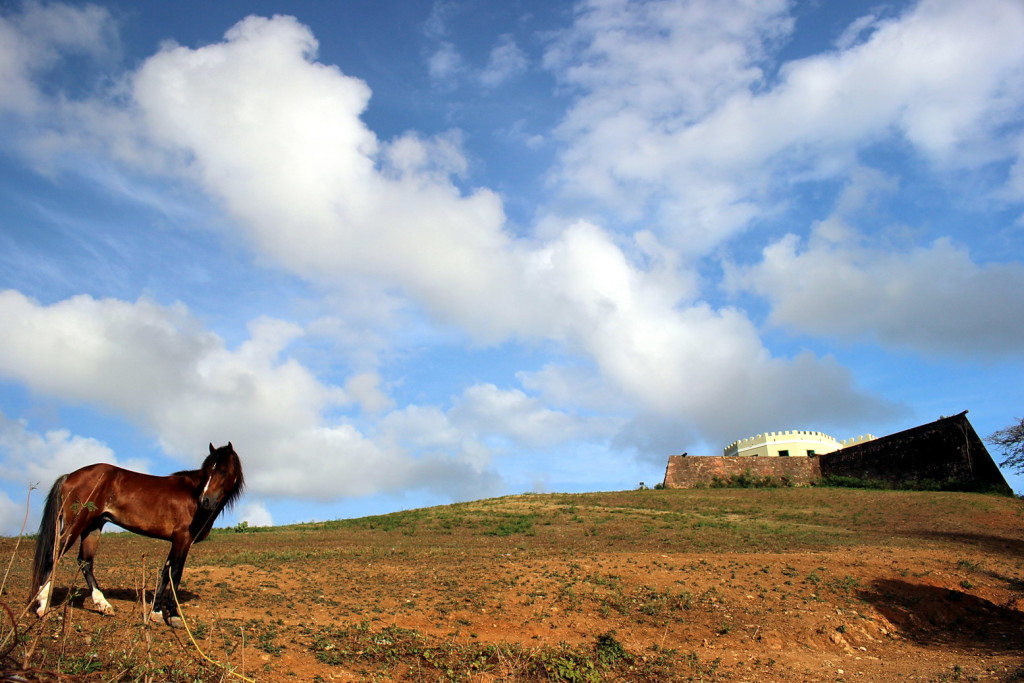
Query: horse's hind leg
{"type": "Point", "coordinates": [65, 534]}
{"type": "Point", "coordinates": [86, 553]}
{"type": "Point", "coordinates": [43, 596]}
{"type": "Point", "coordinates": [49, 564]}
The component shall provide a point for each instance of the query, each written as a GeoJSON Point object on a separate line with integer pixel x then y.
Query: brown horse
{"type": "Point", "coordinates": [179, 508]}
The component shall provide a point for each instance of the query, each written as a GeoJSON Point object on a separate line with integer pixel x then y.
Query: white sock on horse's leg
{"type": "Point", "coordinates": [43, 598]}
{"type": "Point", "coordinates": [100, 601]}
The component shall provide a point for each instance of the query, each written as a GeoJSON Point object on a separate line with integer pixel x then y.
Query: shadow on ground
{"type": "Point", "coordinates": [934, 616]}
{"type": "Point", "coordinates": [80, 598]}
{"type": "Point", "coordinates": [985, 542]}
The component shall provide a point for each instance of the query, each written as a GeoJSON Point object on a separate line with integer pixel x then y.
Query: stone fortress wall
{"type": "Point", "coordinates": [947, 451]}
{"type": "Point", "coordinates": [686, 472]}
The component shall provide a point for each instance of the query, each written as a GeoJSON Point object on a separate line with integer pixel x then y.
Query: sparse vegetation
{"type": "Point", "coordinates": [747, 480]}
{"type": "Point", "coordinates": [841, 481]}
{"type": "Point", "coordinates": [653, 585]}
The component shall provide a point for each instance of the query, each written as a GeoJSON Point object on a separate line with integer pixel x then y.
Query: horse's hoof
{"type": "Point", "coordinates": [175, 622]}
{"type": "Point", "coordinates": [99, 601]}
{"type": "Point", "coordinates": [156, 616]}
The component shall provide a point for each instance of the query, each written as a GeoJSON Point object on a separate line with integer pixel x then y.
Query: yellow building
{"type": "Point", "coordinates": [790, 443]}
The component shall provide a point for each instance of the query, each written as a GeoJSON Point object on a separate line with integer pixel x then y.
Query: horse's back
{"type": "Point", "coordinates": [105, 472]}
{"type": "Point", "coordinates": [147, 504]}
{"type": "Point", "coordinates": [94, 471]}
{"type": "Point", "coordinates": [88, 477]}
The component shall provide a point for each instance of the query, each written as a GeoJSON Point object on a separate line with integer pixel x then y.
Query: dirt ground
{"type": "Point", "coordinates": [730, 585]}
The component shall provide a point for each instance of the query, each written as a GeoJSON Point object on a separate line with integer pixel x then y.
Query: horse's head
{"type": "Point", "coordinates": [222, 478]}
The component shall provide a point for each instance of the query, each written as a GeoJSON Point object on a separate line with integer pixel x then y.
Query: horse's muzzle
{"type": "Point", "coordinates": [209, 502]}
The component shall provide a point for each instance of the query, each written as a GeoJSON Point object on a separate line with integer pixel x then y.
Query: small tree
{"type": "Point", "coordinates": [1010, 440]}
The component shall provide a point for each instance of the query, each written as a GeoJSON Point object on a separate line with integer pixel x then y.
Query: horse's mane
{"type": "Point", "coordinates": [191, 474]}
{"type": "Point", "coordinates": [234, 494]}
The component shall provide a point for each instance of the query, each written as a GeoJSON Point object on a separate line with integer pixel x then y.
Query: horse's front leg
{"type": "Point", "coordinates": [165, 604]}
{"type": "Point", "coordinates": [158, 596]}
{"type": "Point", "coordinates": [86, 553]}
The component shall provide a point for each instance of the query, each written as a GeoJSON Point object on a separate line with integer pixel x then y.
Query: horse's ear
{"type": "Point", "coordinates": [211, 448]}
{"type": "Point", "coordinates": [230, 447]}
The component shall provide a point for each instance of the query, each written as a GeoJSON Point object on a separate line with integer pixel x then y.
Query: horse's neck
{"type": "Point", "coordinates": [202, 522]}
{"type": "Point", "coordinates": [194, 476]}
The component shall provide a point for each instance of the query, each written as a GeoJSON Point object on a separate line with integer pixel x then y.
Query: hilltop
{"type": "Point", "coordinates": [807, 584]}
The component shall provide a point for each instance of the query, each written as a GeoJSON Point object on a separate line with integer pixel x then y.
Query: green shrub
{"type": "Point", "coordinates": [747, 480]}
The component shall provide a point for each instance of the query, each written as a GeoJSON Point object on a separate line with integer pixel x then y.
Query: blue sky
{"type": "Point", "coordinates": [409, 253]}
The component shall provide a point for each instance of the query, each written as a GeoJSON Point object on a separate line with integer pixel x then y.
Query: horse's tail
{"type": "Point", "coordinates": [46, 543]}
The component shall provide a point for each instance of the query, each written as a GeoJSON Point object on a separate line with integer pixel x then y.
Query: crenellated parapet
{"type": "Point", "coordinates": [793, 442]}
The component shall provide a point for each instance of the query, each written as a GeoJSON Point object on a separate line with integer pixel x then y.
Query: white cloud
{"type": "Point", "coordinates": [154, 365]}
{"type": "Point", "coordinates": [705, 141]}
{"type": "Point", "coordinates": [932, 298]}
{"type": "Point", "coordinates": [34, 40]}
{"type": "Point", "coordinates": [525, 421]}
{"type": "Point", "coordinates": [445, 65]}
{"type": "Point", "coordinates": [318, 192]}
{"type": "Point", "coordinates": [678, 362]}
{"type": "Point", "coordinates": [278, 139]}
{"type": "Point", "coordinates": [840, 283]}
{"type": "Point", "coordinates": [574, 385]}
{"type": "Point", "coordinates": [645, 73]}
{"type": "Point", "coordinates": [29, 459]}
{"type": "Point", "coordinates": [364, 388]}
{"type": "Point", "coordinates": [506, 61]}
{"type": "Point", "coordinates": [855, 32]}
{"type": "Point", "coordinates": [33, 459]}
{"type": "Point", "coordinates": [102, 351]}
{"type": "Point", "coordinates": [12, 517]}
{"type": "Point", "coordinates": [436, 25]}
{"type": "Point", "coordinates": [255, 514]}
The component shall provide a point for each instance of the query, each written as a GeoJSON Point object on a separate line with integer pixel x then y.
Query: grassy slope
{"type": "Point", "coordinates": [718, 584]}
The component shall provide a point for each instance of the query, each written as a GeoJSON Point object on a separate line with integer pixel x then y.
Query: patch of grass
{"type": "Point", "coordinates": [746, 480]}
{"type": "Point", "coordinates": [841, 481]}
{"type": "Point", "coordinates": [513, 524]}
{"type": "Point", "coordinates": [394, 652]}
{"type": "Point", "coordinates": [391, 650]}
{"type": "Point", "coordinates": [844, 585]}
{"type": "Point", "coordinates": [80, 665]}
{"type": "Point", "coordinates": [610, 651]}
{"type": "Point", "coordinates": [969, 565]}
{"type": "Point", "coordinates": [270, 558]}
{"type": "Point", "coordinates": [266, 635]}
